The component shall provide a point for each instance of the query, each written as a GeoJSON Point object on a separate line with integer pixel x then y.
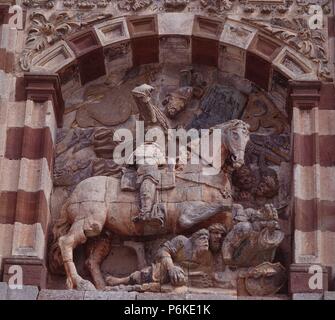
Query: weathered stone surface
{"type": "Point", "coordinates": [209, 296]}
{"type": "Point", "coordinates": [219, 105]}
{"type": "Point", "coordinates": [107, 107]}
{"type": "Point", "coordinates": [276, 297]}
{"type": "Point", "coordinates": [307, 296]}
{"type": "Point", "coordinates": [329, 295]}
{"type": "Point", "coordinates": [3, 290]}
{"type": "Point", "coordinates": [26, 293]}
{"type": "Point", "coordinates": [101, 295]}
{"type": "Point", "coordinates": [46, 294]}
{"type": "Point", "coordinates": [160, 296]}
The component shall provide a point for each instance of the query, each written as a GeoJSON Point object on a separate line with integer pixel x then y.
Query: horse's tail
{"type": "Point", "coordinates": [60, 228]}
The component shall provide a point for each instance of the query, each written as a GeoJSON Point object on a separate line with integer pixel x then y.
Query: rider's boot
{"type": "Point", "coordinates": [147, 197]}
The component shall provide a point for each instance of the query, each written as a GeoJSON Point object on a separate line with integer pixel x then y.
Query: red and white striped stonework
{"type": "Point", "coordinates": [27, 137]}
{"type": "Point", "coordinates": [313, 131]}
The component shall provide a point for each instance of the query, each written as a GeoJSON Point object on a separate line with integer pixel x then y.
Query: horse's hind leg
{"type": "Point", "coordinates": [97, 251]}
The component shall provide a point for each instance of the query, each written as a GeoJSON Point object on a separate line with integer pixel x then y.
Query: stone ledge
{"type": "Point", "coordinates": [307, 296]}
{"type": "Point", "coordinates": [329, 295]}
{"type": "Point", "coordinates": [32, 293]}
{"type": "Point", "coordinates": [26, 293]}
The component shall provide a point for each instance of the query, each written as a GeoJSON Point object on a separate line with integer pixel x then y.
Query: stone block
{"type": "Point", "coordinates": [54, 58]}
{"type": "Point", "coordinates": [112, 31]}
{"type": "Point", "coordinates": [292, 66]}
{"type": "Point", "coordinates": [237, 34]}
{"type": "Point", "coordinates": [175, 23]}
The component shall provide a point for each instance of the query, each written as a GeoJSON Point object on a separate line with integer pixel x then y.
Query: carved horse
{"type": "Point", "coordinates": [98, 203]}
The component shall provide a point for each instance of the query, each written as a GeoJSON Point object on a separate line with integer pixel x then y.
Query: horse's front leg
{"type": "Point", "coordinates": [67, 244]}
{"type": "Point", "coordinates": [90, 221]}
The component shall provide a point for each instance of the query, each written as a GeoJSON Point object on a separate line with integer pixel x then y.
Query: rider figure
{"type": "Point", "coordinates": [148, 157]}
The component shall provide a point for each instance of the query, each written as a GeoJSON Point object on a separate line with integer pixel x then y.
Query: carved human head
{"type": "Point", "coordinates": [177, 101]}
{"type": "Point", "coordinates": [243, 178]}
{"type": "Point", "coordinates": [268, 186]}
{"type": "Point", "coordinates": [217, 231]}
{"type": "Point", "coordinates": [200, 240]}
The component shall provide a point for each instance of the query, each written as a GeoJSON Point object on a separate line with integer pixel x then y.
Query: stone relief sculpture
{"type": "Point", "coordinates": [176, 4]}
{"type": "Point", "coordinates": [133, 5]}
{"type": "Point", "coordinates": [261, 113]}
{"type": "Point", "coordinates": [164, 200]}
{"type": "Point", "coordinates": [255, 187]}
{"type": "Point", "coordinates": [217, 5]}
{"type": "Point", "coordinates": [253, 238]}
{"type": "Point", "coordinates": [45, 30]}
{"type": "Point", "coordinates": [296, 32]}
{"type": "Point", "coordinates": [181, 260]}
{"type": "Point", "coordinates": [175, 102]}
{"type": "Point", "coordinates": [99, 202]}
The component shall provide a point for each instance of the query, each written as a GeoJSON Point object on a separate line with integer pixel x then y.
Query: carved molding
{"type": "Point", "coordinates": [297, 34]}
{"type": "Point", "coordinates": [42, 87]}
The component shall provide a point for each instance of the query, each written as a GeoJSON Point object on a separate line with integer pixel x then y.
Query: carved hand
{"type": "Point", "coordinates": [177, 276]}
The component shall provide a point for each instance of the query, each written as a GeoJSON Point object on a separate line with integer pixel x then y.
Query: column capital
{"type": "Point", "coordinates": [41, 87]}
{"type": "Point", "coordinates": [303, 95]}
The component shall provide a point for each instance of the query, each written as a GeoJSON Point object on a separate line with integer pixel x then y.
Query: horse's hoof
{"type": "Point", "coordinates": [85, 285]}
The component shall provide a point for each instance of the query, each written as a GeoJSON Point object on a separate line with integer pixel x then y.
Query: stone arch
{"type": "Point", "coordinates": [235, 46]}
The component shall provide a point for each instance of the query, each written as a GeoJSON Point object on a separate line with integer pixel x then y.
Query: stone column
{"type": "Point", "coordinates": [8, 37]}
{"type": "Point", "coordinates": [313, 172]}
{"type": "Point", "coordinates": [27, 174]}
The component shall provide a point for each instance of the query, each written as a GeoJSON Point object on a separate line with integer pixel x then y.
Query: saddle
{"type": "Point", "coordinates": [167, 180]}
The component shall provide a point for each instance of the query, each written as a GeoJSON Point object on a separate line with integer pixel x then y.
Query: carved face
{"type": "Point", "coordinates": [244, 178]}
{"type": "Point", "coordinates": [201, 243]}
{"type": "Point", "coordinates": [215, 240]}
{"type": "Point", "coordinates": [236, 140]}
{"type": "Point", "coordinates": [268, 187]}
{"type": "Point", "coordinates": [177, 101]}
{"type": "Point", "coordinates": [174, 105]}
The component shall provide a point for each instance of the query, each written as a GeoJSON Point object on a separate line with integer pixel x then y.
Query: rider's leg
{"type": "Point", "coordinates": [147, 196]}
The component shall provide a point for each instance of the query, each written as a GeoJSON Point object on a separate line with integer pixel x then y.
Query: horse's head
{"type": "Point", "coordinates": [235, 138]}
{"type": "Point", "coordinates": [143, 93]}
